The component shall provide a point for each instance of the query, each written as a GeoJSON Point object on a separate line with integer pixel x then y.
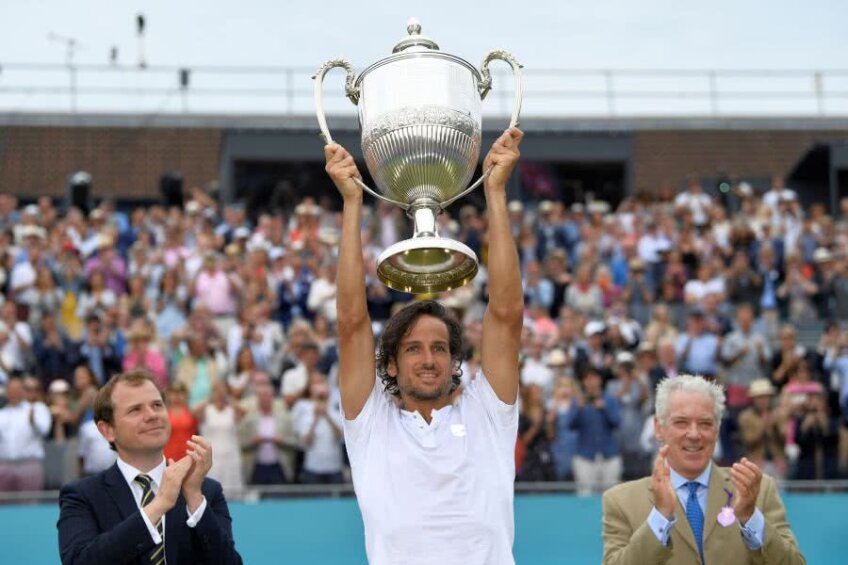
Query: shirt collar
{"type": "Point", "coordinates": [436, 415]}
{"type": "Point", "coordinates": [678, 480]}
{"type": "Point", "coordinates": [130, 473]}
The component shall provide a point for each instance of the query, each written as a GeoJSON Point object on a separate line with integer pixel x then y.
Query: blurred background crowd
{"type": "Point", "coordinates": [234, 314]}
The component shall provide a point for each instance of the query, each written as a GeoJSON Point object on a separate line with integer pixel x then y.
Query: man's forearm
{"type": "Point", "coordinates": [504, 275]}
{"type": "Point", "coordinates": [350, 281]}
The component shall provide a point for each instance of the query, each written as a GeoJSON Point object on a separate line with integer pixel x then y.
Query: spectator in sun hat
{"type": "Point", "coordinates": [142, 354]}
{"type": "Point", "coordinates": [761, 429]}
{"type": "Point", "coordinates": [595, 354]}
{"type": "Point", "coordinates": [23, 276]}
{"type": "Point", "coordinates": [109, 263]}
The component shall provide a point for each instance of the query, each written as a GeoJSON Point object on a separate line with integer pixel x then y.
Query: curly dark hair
{"type": "Point", "coordinates": [399, 326]}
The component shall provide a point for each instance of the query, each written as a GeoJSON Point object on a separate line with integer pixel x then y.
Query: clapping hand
{"type": "Point", "coordinates": [665, 498]}
{"type": "Point", "coordinates": [169, 489]}
{"type": "Point", "coordinates": [200, 452]}
{"type": "Point", "coordinates": [746, 478]}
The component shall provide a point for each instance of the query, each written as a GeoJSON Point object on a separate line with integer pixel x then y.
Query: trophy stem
{"type": "Point", "coordinates": [425, 222]}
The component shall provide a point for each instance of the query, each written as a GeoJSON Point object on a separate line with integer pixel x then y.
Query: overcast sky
{"type": "Point", "coordinates": [582, 34]}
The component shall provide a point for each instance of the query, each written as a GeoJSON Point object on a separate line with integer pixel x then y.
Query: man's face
{"type": "Point", "coordinates": [140, 422]}
{"type": "Point", "coordinates": [593, 384]}
{"type": "Point", "coordinates": [695, 325]}
{"type": "Point", "coordinates": [32, 389]}
{"type": "Point", "coordinates": [15, 391]}
{"type": "Point", "coordinates": [423, 365]}
{"type": "Point", "coordinates": [264, 395]}
{"type": "Point", "coordinates": [690, 430]}
{"type": "Point", "coordinates": [745, 318]}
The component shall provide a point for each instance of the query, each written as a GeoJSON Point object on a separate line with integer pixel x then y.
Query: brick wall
{"type": "Point", "coordinates": [663, 157]}
{"type": "Point", "coordinates": [124, 162]}
{"type": "Point", "coordinates": [127, 161]}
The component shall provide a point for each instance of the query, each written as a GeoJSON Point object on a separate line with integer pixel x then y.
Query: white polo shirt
{"type": "Point", "coordinates": [438, 493]}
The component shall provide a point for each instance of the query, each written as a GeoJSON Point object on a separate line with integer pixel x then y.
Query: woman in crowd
{"type": "Point", "coordinates": [183, 422]}
{"type": "Point", "coordinates": [96, 297]}
{"type": "Point", "coordinates": [532, 433]}
{"type": "Point", "coordinates": [562, 438]}
{"type": "Point", "coordinates": [218, 419]}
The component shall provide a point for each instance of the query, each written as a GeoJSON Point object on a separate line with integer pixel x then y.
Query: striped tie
{"type": "Point", "coordinates": [157, 557]}
{"type": "Point", "coordinates": [695, 516]}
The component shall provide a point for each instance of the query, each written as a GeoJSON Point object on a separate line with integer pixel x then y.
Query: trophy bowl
{"type": "Point", "coordinates": [420, 119]}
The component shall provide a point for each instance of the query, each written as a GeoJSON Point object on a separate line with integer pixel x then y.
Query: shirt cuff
{"type": "Point", "coordinates": [193, 519]}
{"type": "Point", "coordinates": [754, 531]}
{"type": "Point", "coordinates": [154, 533]}
{"type": "Point", "coordinates": [660, 525]}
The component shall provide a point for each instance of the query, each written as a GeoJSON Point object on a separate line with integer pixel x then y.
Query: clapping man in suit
{"type": "Point", "coordinates": [142, 510]}
{"type": "Point", "coordinates": [690, 511]}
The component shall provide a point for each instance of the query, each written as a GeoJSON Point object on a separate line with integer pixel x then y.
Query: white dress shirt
{"type": "Point", "coordinates": [753, 532]}
{"type": "Point", "coordinates": [21, 439]}
{"type": "Point", "coordinates": [130, 473]}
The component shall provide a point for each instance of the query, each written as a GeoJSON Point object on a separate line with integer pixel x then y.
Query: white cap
{"type": "Point", "coordinates": [624, 357]}
{"type": "Point", "coordinates": [257, 241]}
{"type": "Point", "coordinates": [59, 386]}
{"type": "Point", "coordinates": [594, 327]}
{"type": "Point", "coordinates": [241, 232]}
{"type": "Point", "coordinates": [33, 231]}
{"type": "Point", "coordinates": [557, 358]}
{"type": "Point", "coordinates": [822, 255]}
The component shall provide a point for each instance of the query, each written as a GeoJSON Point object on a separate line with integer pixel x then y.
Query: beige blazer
{"type": "Point", "coordinates": [285, 429]}
{"type": "Point", "coordinates": [628, 540]}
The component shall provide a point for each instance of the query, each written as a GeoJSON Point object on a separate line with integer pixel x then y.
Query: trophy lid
{"type": "Point", "coordinates": [415, 40]}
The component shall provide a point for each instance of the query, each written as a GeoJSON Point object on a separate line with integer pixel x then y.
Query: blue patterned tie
{"type": "Point", "coordinates": [695, 516]}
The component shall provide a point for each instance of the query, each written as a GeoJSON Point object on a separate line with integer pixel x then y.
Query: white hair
{"type": "Point", "coordinates": [688, 383]}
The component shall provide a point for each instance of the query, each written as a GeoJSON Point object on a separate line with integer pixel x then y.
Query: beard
{"type": "Point", "coordinates": [412, 391]}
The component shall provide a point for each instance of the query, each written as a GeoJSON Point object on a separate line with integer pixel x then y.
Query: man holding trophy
{"type": "Point", "coordinates": [433, 463]}
{"type": "Point", "coordinates": [433, 466]}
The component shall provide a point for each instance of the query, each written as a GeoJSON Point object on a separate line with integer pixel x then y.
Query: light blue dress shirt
{"type": "Point", "coordinates": [753, 533]}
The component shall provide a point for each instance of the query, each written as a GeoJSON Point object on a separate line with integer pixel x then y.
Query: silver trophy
{"type": "Point", "coordinates": [419, 112]}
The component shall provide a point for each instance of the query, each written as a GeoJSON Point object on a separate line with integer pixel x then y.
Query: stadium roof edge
{"type": "Point", "coordinates": [348, 123]}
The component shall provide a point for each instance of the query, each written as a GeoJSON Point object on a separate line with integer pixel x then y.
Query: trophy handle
{"type": "Point", "coordinates": [484, 87]}
{"type": "Point", "coordinates": [486, 80]}
{"type": "Point", "coordinates": [351, 90]}
{"type": "Point", "coordinates": [379, 196]}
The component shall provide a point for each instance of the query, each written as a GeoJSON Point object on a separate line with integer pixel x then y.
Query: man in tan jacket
{"type": "Point", "coordinates": [690, 511]}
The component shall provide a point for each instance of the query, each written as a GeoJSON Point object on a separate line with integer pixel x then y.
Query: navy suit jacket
{"type": "Point", "coordinates": [100, 523]}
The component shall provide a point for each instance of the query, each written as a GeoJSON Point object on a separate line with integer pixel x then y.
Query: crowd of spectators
{"type": "Point", "coordinates": [235, 319]}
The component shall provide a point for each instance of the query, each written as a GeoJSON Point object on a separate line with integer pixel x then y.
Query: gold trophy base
{"type": "Point", "coordinates": [426, 264]}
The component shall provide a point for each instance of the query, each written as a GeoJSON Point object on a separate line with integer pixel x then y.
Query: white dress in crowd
{"type": "Point", "coordinates": [219, 427]}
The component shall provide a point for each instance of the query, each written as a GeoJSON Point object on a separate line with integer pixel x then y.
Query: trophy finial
{"type": "Point", "coordinates": [415, 41]}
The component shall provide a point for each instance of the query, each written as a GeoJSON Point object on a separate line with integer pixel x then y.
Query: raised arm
{"type": "Point", "coordinates": [503, 318]}
{"type": "Point", "coordinates": [356, 338]}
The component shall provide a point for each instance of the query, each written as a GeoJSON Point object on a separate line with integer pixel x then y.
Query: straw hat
{"type": "Point", "coordinates": [138, 330]}
{"type": "Point", "coordinates": [557, 358]}
{"type": "Point", "coordinates": [760, 387]}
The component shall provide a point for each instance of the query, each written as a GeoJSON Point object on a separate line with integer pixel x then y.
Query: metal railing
{"type": "Point", "coordinates": [164, 89]}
